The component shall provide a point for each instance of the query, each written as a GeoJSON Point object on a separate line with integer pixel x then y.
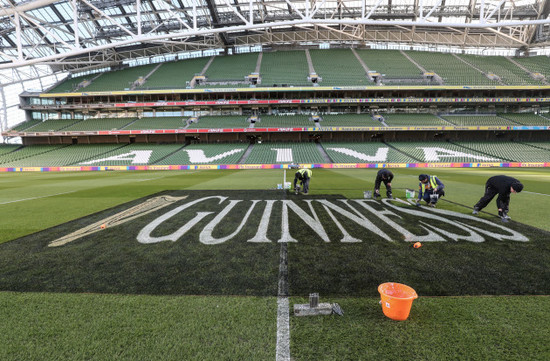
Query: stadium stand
{"type": "Point", "coordinates": [349, 120]}
{"type": "Point", "coordinates": [26, 126]}
{"type": "Point", "coordinates": [450, 69]}
{"type": "Point", "coordinates": [91, 124]}
{"type": "Point", "coordinates": [435, 152]}
{"type": "Point", "coordinates": [510, 151]}
{"type": "Point", "coordinates": [71, 84]}
{"type": "Point", "coordinates": [157, 123]}
{"type": "Point", "coordinates": [284, 121]}
{"type": "Point", "coordinates": [120, 79]}
{"type": "Point", "coordinates": [395, 68]}
{"type": "Point", "coordinates": [540, 145]}
{"type": "Point", "coordinates": [53, 125]}
{"type": "Point", "coordinates": [338, 67]}
{"type": "Point", "coordinates": [206, 154]}
{"type": "Point", "coordinates": [284, 68]}
{"type": "Point", "coordinates": [133, 154]}
{"type": "Point", "coordinates": [278, 152]}
{"type": "Point", "coordinates": [507, 71]}
{"type": "Point", "coordinates": [407, 120]}
{"type": "Point", "coordinates": [18, 156]}
{"type": "Point", "coordinates": [8, 148]}
{"type": "Point", "coordinates": [349, 152]}
{"type": "Point", "coordinates": [215, 122]}
{"type": "Point", "coordinates": [230, 69]}
{"type": "Point", "coordinates": [65, 156]}
{"type": "Point", "coordinates": [175, 75]}
{"type": "Point", "coordinates": [526, 118]}
{"type": "Point", "coordinates": [536, 64]}
{"type": "Point", "coordinates": [477, 120]}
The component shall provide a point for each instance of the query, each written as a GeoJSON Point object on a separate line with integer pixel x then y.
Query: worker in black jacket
{"type": "Point", "coordinates": [503, 186]}
{"type": "Point", "coordinates": [383, 175]}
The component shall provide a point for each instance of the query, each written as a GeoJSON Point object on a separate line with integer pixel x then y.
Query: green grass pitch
{"type": "Point", "coordinates": [105, 296]}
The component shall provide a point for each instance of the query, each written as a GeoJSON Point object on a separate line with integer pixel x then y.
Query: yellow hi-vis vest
{"type": "Point", "coordinates": [432, 181]}
{"type": "Point", "coordinates": [305, 172]}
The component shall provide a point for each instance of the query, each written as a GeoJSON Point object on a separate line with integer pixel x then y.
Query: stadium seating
{"type": "Point", "coordinates": [349, 120]}
{"type": "Point", "coordinates": [436, 152]}
{"type": "Point", "coordinates": [64, 156]}
{"type": "Point", "coordinates": [120, 79]}
{"type": "Point", "coordinates": [71, 84]}
{"type": "Point", "coordinates": [536, 64]}
{"type": "Point", "coordinates": [146, 123]}
{"type": "Point", "coordinates": [541, 145]}
{"type": "Point", "coordinates": [508, 72]}
{"type": "Point", "coordinates": [266, 153]}
{"type": "Point", "coordinates": [53, 125]}
{"type": "Point", "coordinates": [18, 157]}
{"type": "Point", "coordinates": [92, 124]}
{"type": "Point", "coordinates": [206, 154]}
{"type": "Point", "coordinates": [360, 152]}
{"type": "Point", "coordinates": [222, 121]}
{"type": "Point", "coordinates": [175, 75]}
{"type": "Point", "coordinates": [231, 67]}
{"type": "Point", "coordinates": [284, 121]}
{"type": "Point", "coordinates": [450, 69]}
{"type": "Point", "coordinates": [395, 68]}
{"type": "Point", "coordinates": [412, 120]}
{"type": "Point", "coordinates": [284, 68]}
{"type": "Point", "coordinates": [510, 151]}
{"type": "Point", "coordinates": [8, 148]}
{"type": "Point", "coordinates": [133, 154]}
{"type": "Point", "coordinates": [477, 120]}
{"type": "Point", "coordinates": [526, 118]}
{"type": "Point", "coordinates": [26, 126]}
{"type": "Point", "coordinates": [338, 67]}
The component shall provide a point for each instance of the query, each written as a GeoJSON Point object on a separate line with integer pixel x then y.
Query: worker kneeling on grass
{"type": "Point", "coordinates": [303, 176]}
{"type": "Point", "coordinates": [431, 188]}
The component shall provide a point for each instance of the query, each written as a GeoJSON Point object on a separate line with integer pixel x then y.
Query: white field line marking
{"type": "Point", "coordinates": [283, 322]}
{"type": "Point", "coordinates": [540, 194]}
{"type": "Point", "coordinates": [28, 199]}
{"type": "Point", "coordinates": [283, 330]}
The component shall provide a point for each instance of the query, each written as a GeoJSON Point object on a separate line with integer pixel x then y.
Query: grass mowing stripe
{"type": "Point", "coordinates": [30, 199]}
{"type": "Point", "coordinates": [540, 194]}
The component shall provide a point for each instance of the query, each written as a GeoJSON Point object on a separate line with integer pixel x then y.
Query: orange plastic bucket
{"type": "Point", "coordinates": [396, 300]}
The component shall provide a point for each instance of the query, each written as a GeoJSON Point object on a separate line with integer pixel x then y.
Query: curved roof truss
{"type": "Point", "coordinates": [72, 34]}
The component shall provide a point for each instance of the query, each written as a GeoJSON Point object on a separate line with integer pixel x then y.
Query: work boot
{"type": "Point", "coordinates": [504, 216]}
{"type": "Point", "coordinates": [389, 194]}
{"type": "Point", "coordinates": [431, 204]}
{"type": "Point", "coordinates": [476, 210]}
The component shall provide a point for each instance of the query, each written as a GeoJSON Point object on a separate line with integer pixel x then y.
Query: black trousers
{"type": "Point", "coordinates": [303, 182]}
{"type": "Point", "coordinates": [503, 200]}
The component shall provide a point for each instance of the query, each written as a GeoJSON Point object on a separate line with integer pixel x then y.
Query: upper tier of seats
{"type": "Point", "coordinates": [336, 67]}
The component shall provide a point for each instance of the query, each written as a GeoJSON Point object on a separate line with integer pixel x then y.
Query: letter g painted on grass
{"type": "Point", "coordinates": [145, 237]}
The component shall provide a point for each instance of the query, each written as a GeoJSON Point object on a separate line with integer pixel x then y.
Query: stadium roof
{"type": "Point", "coordinates": [82, 34]}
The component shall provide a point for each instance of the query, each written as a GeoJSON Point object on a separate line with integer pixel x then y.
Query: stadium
{"type": "Point", "coordinates": [148, 155]}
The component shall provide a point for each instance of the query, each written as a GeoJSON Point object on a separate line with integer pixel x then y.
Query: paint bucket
{"type": "Point", "coordinates": [410, 194]}
{"type": "Point", "coordinates": [367, 194]}
{"type": "Point", "coordinates": [396, 300]}
{"type": "Point", "coordinates": [287, 185]}
{"type": "Point", "coordinates": [279, 186]}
